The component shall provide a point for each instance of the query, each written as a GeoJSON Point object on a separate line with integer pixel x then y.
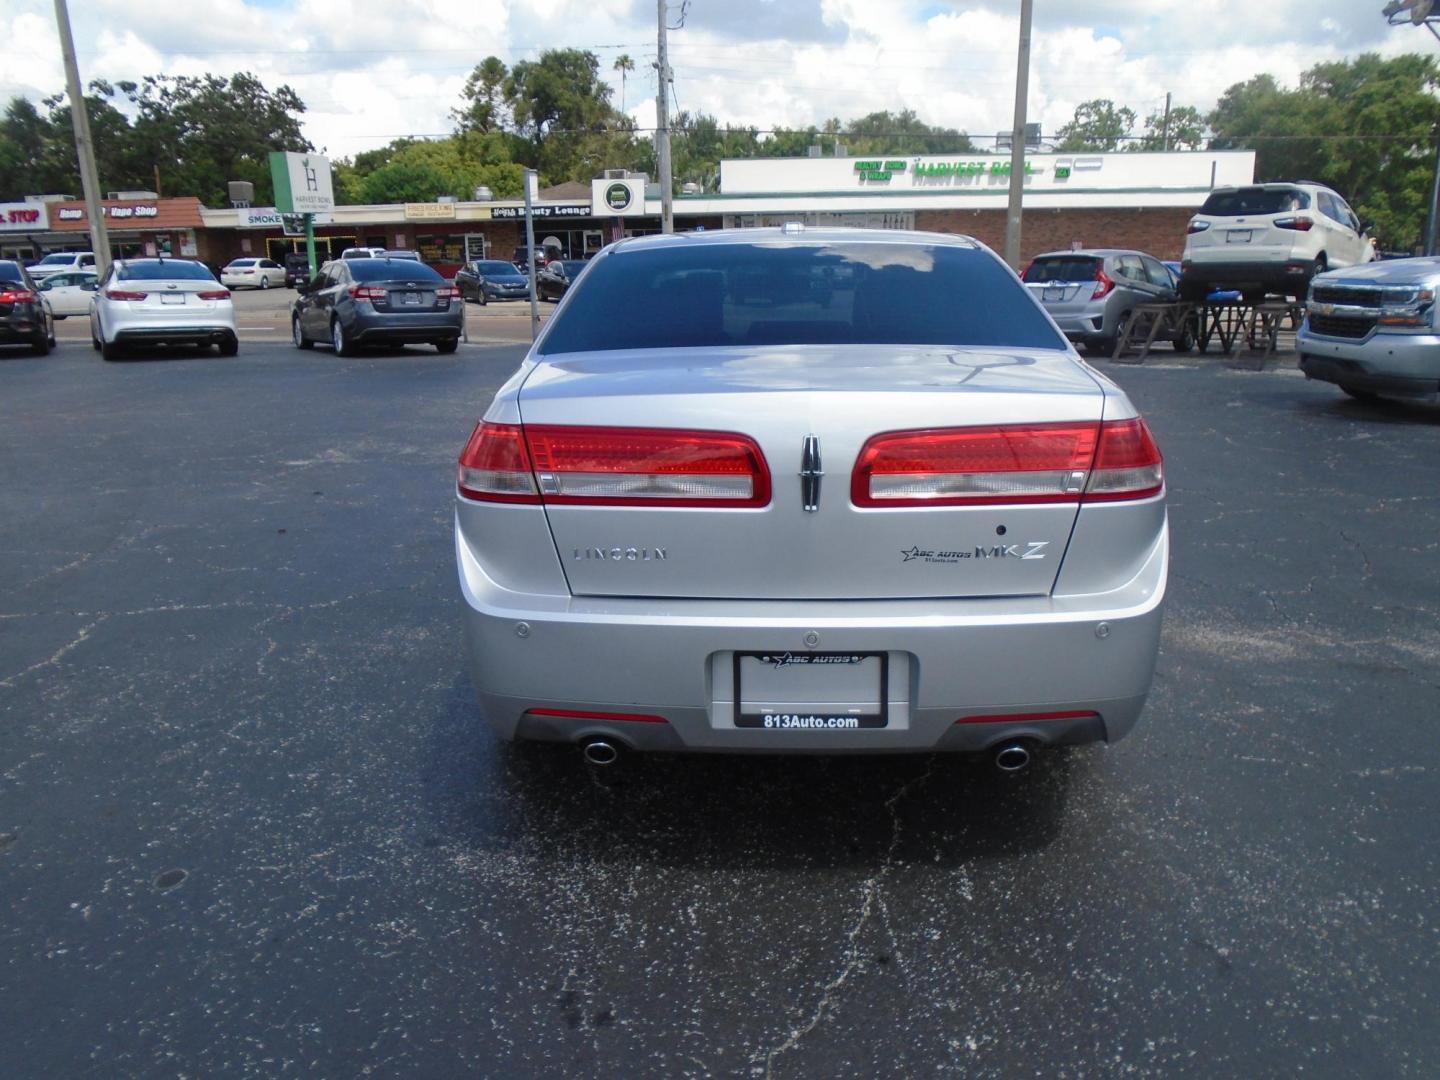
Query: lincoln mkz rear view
{"type": "Point", "coordinates": [817, 491]}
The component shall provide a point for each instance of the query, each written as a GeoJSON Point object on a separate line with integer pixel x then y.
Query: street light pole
{"type": "Point", "coordinates": [84, 146]}
{"type": "Point", "coordinates": [1017, 142]}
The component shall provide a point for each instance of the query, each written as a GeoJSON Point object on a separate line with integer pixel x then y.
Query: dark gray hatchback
{"type": "Point", "coordinates": [357, 302]}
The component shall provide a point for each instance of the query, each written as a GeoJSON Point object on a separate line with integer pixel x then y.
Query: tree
{"type": "Point", "coordinates": [881, 133]}
{"type": "Point", "coordinates": [483, 105]}
{"type": "Point", "coordinates": [1186, 130]}
{"type": "Point", "coordinates": [562, 106]}
{"type": "Point", "coordinates": [1366, 126]}
{"type": "Point", "coordinates": [25, 166]}
{"type": "Point", "coordinates": [623, 64]}
{"type": "Point", "coordinates": [1097, 125]}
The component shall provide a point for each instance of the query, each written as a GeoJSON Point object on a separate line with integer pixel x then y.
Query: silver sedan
{"type": "Point", "coordinates": [819, 491]}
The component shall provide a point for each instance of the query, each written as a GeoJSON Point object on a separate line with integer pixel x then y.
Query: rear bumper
{"type": "Point", "coordinates": [197, 335]}
{"type": "Point", "coordinates": [976, 662]}
{"type": "Point", "coordinates": [422, 328]}
{"type": "Point", "coordinates": [1406, 365]}
{"type": "Point", "coordinates": [18, 329]}
{"type": "Point", "coordinates": [1272, 273]}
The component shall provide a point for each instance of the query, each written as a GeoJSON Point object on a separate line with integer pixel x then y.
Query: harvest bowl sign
{"type": "Point", "coordinates": [878, 170]}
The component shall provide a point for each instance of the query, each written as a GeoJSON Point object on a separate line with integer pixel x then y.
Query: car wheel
{"type": "Point", "coordinates": [297, 334]}
{"type": "Point", "coordinates": [1360, 395]}
{"type": "Point", "coordinates": [94, 342]}
{"type": "Point", "coordinates": [1185, 340]}
{"type": "Point", "coordinates": [230, 346]}
{"type": "Point", "coordinates": [42, 346]}
{"type": "Point", "coordinates": [480, 295]}
{"type": "Point", "coordinates": [264, 281]}
{"type": "Point", "coordinates": [338, 341]}
{"type": "Point", "coordinates": [449, 345]}
{"type": "Point", "coordinates": [112, 350]}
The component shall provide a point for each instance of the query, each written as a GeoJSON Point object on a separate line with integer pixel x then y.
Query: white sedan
{"type": "Point", "coordinates": [161, 302]}
{"type": "Point", "coordinates": [69, 293]}
{"type": "Point", "coordinates": [252, 274]}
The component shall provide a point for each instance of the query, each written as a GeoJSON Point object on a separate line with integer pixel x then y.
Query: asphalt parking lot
{"type": "Point", "coordinates": [250, 823]}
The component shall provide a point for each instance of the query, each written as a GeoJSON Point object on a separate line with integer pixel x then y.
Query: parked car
{"type": "Point", "coordinates": [492, 279]}
{"type": "Point", "coordinates": [59, 262]}
{"type": "Point", "coordinates": [1373, 330]}
{"type": "Point", "coordinates": [252, 274]}
{"type": "Point", "coordinates": [357, 302]}
{"type": "Point", "coordinates": [362, 253]}
{"type": "Point", "coordinates": [24, 318]}
{"type": "Point", "coordinates": [912, 520]}
{"type": "Point", "coordinates": [161, 302]}
{"type": "Point", "coordinates": [1270, 238]}
{"type": "Point", "coordinates": [69, 293]}
{"type": "Point", "coordinates": [297, 268]}
{"type": "Point", "coordinates": [554, 280]}
{"type": "Point", "coordinates": [1091, 292]}
{"type": "Point", "coordinates": [413, 256]}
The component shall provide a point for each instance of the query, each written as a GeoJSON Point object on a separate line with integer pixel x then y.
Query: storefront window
{"type": "Point", "coordinates": [441, 249]}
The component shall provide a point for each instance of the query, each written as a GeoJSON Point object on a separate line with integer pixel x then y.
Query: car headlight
{"type": "Point", "coordinates": [1406, 305]}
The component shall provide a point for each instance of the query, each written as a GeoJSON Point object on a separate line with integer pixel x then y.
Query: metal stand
{"type": "Point", "coordinates": [1258, 325]}
{"type": "Point", "coordinates": [1147, 321]}
{"type": "Point", "coordinates": [1262, 332]}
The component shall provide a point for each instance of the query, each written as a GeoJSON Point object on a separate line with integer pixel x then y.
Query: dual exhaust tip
{"type": "Point", "coordinates": [1010, 757]}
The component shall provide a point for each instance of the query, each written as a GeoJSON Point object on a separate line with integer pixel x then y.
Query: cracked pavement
{"type": "Point", "coordinates": [250, 823]}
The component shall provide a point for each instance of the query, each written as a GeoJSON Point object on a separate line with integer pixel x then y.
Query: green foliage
{"type": "Point", "coordinates": [1097, 126]}
{"type": "Point", "coordinates": [1187, 130]}
{"type": "Point", "coordinates": [886, 133]}
{"type": "Point", "coordinates": [1366, 126]}
{"type": "Point", "coordinates": [483, 107]}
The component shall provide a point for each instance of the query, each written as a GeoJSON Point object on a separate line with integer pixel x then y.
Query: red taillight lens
{"type": "Point", "coordinates": [449, 291]}
{"type": "Point", "coordinates": [121, 294]}
{"type": "Point", "coordinates": [17, 296]}
{"type": "Point", "coordinates": [1197, 226]}
{"type": "Point", "coordinates": [217, 294]}
{"type": "Point", "coordinates": [1103, 284]}
{"type": "Point", "coordinates": [494, 466]}
{"type": "Point", "coordinates": [647, 466]}
{"type": "Point", "coordinates": [1299, 224]}
{"type": "Point", "coordinates": [1127, 464]}
{"type": "Point", "coordinates": [1013, 464]}
{"type": "Point", "coordinates": [368, 292]}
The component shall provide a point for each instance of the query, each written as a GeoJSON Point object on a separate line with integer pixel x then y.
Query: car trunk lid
{"type": "Point", "coordinates": [811, 409]}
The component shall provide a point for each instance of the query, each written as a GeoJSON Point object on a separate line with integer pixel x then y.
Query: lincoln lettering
{"type": "Point", "coordinates": [622, 554]}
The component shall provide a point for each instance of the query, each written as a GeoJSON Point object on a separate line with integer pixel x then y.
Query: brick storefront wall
{"type": "Point", "coordinates": [1160, 232]}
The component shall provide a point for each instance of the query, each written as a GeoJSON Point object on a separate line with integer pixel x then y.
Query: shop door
{"type": "Point", "coordinates": [475, 246]}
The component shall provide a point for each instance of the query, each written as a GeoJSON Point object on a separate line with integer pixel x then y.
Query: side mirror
{"type": "Point", "coordinates": [47, 284]}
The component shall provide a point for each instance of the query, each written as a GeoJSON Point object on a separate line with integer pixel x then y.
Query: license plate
{"type": "Point", "coordinates": [172, 298]}
{"type": "Point", "coordinates": [410, 298]}
{"type": "Point", "coordinates": [1053, 294]}
{"type": "Point", "coordinates": [1238, 236]}
{"type": "Point", "coordinates": [810, 691]}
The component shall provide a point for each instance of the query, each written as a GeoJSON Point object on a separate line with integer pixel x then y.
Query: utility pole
{"type": "Point", "coordinates": [662, 125]}
{"type": "Point", "coordinates": [532, 181]}
{"type": "Point", "coordinates": [1165, 128]}
{"type": "Point", "coordinates": [84, 146]}
{"type": "Point", "coordinates": [1017, 141]}
{"type": "Point", "coordinates": [1432, 222]}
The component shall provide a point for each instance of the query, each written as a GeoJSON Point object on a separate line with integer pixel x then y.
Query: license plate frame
{"type": "Point", "coordinates": [410, 299]}
{"type": "Point", "coordinates": [1239, 236]}
{"type": "Point", "coordinates": [172, 298]}
{"type": "Point", "coordinates": [1052, 294]}
{"type": "Point", "coordinates": [798, 716]}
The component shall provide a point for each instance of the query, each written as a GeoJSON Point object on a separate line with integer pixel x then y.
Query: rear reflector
{"type": "Point", "coordinates": [1021, 718]}
{"type": "Point", "coordinates": [608, 466]}
{"type": "Point", "coordinates": [1011, 464]}
{"type": "Point", "coordinates": [494, 466]}
{"type": "Point", "coordinates": [577, 714]}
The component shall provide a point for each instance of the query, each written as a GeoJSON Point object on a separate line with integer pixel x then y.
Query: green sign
{"type": "Point", "coordinates": [873, 170]}
{"type": "Point", "coordinates": [617, 197]}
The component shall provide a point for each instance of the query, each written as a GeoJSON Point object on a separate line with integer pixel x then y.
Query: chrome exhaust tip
{"type": "Point", "coordinates": [1012, 757]}
{"type": "Point", "coordinates": [600, 752]}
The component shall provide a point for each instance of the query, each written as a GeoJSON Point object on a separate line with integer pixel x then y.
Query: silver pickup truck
{"type": "Point", "coordinates": [1372, 330]}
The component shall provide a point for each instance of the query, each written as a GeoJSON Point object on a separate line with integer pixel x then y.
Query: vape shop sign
{"type": "Point", "coordinates": [24, 217]}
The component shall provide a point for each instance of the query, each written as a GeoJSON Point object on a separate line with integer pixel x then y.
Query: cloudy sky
{"type": "Point", "coordinates": [372, 70]}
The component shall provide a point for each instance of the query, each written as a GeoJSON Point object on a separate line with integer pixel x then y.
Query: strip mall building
{"type": "Point", "coordinates": [1130, 200]}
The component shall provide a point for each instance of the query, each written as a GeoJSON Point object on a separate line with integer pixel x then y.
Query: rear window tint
{"type": "Point", "coordinates": [502, 268]}
{"type": "Point", "coordinates": [390, 270]}
{"type": "Point", "coordinates": [1255, 200]}
{"type": "Point", "coordinates": [164, 270]}
{"type": "Point", "coordinates": [10, 272]}
{"type": "Point", "coordinates": [798, 294]}
{"type": "Point", "coordinates": [1065, 268]}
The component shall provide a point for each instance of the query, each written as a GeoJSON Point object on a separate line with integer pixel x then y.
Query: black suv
{"type": "Point", "coordinates": [24, 318]}
{"type": "Point", "coordinates": [297, 268]}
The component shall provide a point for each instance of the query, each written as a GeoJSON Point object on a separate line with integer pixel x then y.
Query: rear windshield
{"type": "Point", "coordinates": [1255, 200]}
{"type": "Point", "coordinates": [391, 270]}
{"type": "Point", "coordinates": [1065, 268]}
{"type": "Point", "coordinates": [242, 262]}
{"type": "Point", "coordinates": [163, 270]}
{"type": "Point", "coordinates": [497, 267]}
{"type": "Point", "coordinates": [10, 271]}
{"type": "Point", "coordinates": [792, 294]}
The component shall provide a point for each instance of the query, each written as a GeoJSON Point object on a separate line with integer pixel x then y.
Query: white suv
{"type": "Point", "coordinates": [62, 262]}
{"type": "Point", "coordinates": [1269, 238]}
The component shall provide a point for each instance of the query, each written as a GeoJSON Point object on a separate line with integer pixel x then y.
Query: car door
{"type": "Point", "coordinates": [1361, 251]}
{"type": "Point", "coordinates": [1340, 242]}
{"type": "Point", "coordinates": [311, 316]}
{"type": "Point", "coordinates": [1160, 279]}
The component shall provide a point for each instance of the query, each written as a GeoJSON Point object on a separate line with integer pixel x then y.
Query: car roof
{"type": "Point", "coordinates": [805, 237]}
{"type": "Point", "coordinates": [1098, 253]}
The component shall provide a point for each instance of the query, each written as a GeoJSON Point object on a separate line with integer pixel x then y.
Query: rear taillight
{"type": "Point", "coordinates": [1127, 464]}
{"type": "Point", "coordinates": [122, 294]}
{"type": "Point", "coordinates": [494, 466]}
{"type": "Point", "coordinates": [448, 291]}
{"type": "Point", "coordinates": [647, 467]}
{"type": "Point", "coordinates": [217, 294]}
{"type": "Point", "coordinates": [368, 292]}
{"type": "Point", "coordinates": [1299, 224]}
{"type": "Point", "coordinates": [1197, 226]}
{"type": "Point", "coordinates": [1103, 284]}
{"type": "Point", "coordinates": [1009, 465]}
{"type": "Point", "coordinates": [17, 296]}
